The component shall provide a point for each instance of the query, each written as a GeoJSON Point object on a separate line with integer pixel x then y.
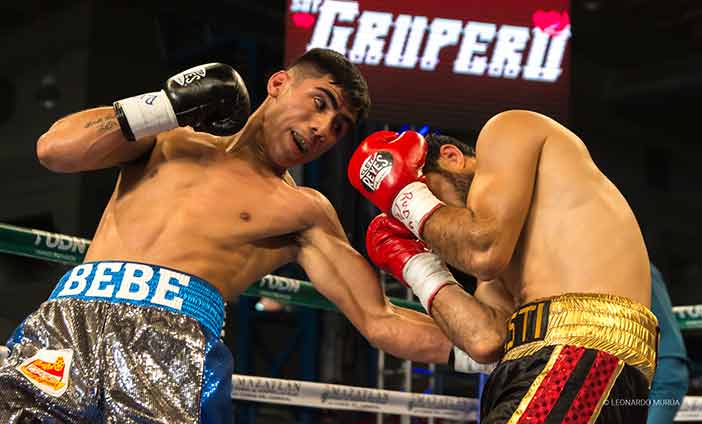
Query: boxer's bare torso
{"type": "Point", "coordinates": [196, 207]}
{"type": "Point", "coordinates": [580, 234]}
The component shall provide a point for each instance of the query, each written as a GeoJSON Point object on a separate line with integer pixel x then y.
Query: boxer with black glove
{"type": "Point", "coordinates": [210, 98]}
{"type": "Point", "coordinates": [194, 220]}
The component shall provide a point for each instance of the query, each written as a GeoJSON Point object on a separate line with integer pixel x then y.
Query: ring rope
{"type": "Point", "coordinates": [690, 410]}
{"type": "Point", "coordinates": [70, 250]}
{"type": "Point", "coordinates": [335, 396]}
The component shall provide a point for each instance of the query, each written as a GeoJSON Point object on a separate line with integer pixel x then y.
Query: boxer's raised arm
{"type": "Point", "coordinates": [481, 238]}
{"type": "Point", "coordinates": [88, 140]}
{"type": "Point", "coordinates": [343, 276]}
{"type": "Point", "coordinates": [210, 98]}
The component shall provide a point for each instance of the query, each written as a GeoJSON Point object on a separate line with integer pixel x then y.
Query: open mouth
{"type": "Point", "coordinates": [300, 142]}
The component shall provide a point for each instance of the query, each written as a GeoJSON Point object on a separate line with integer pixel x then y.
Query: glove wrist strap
{"type": "Point", "coordinates": [426, 274]}
{"type": "Point", "coordinates": [145, 115]}
{"type": "Point", "coordinates": [413, 205]}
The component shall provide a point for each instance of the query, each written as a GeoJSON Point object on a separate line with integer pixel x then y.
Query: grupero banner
{"type": "Point", "coordinates": [451, 64]}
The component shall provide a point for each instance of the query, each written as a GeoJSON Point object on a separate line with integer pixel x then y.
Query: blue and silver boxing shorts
{"type": "Point", "coordinates": [120, 342]}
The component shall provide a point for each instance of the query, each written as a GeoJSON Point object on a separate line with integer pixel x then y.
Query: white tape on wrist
{"type": "Point", "coordinates": [413, 205]}
{"type": "Point", "coordinates": [4, 353]}
{"type": "Point", "coordinates": [462, 362]}
{"type": "Point", "coordinates": [426, 274]}
{"type": "Point", "coordinates": [149, 114]}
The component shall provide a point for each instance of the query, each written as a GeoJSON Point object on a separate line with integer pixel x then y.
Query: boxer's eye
{"type": "Point", "coordinates": [319, 103]}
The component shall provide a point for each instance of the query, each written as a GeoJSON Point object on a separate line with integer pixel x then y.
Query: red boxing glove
{"type": "Point", "coordinates": [384, 163]}
{"type": "Point", "coordinates": [395, 249]}
{"type": "Point", "coordinates": [390, 245]}
{"type": "Point", "coordinates": [387, 169]}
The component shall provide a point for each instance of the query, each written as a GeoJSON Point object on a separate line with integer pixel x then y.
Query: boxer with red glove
{"type": "Point", "coordinates": [387, 169]}
{"type": "Point", "coordinates": [397, 251]}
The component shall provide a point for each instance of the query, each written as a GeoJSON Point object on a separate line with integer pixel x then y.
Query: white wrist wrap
{"type": "Point", "coordinates": [426, 274]}
{"type": "Point", "coordinates": [4, 353]}
{"type": "Point", "coordinates": [464, 363]}
{"type": "Point", "coordinates": [413, 205]}
{"type": "Point", "coordinates": [149, 114]}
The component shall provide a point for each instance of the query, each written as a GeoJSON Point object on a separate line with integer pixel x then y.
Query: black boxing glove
{"type": "Point", "coordinates": [211, 98]}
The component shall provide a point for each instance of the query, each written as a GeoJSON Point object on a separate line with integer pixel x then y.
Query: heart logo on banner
{"type": "Point", "coordinates": [303, 20]}
{"type": "Point", "coordinates": [551, 22]}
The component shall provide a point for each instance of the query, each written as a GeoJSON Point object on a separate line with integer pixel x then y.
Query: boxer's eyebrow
{"type": "Point", "coordinates": [332, 97]}
{"type": "Point", "coordinates": [335, 105]}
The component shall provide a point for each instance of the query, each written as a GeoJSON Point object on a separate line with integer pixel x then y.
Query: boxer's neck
{"type": "Point", "coordinates": [248, 143]}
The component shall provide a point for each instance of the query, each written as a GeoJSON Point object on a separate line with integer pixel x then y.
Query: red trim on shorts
{"type": "Point", "coordinates": [551, 386]}
{"type": "Point", "coordinates": [595, 386]}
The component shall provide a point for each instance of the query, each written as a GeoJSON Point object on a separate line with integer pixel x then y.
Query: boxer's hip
{"type": "Point", "coordinates": [146, 286]}
{"type": "Point", "coordinates": [608, 323]}
{"type": "Point", "coordinates": [118, 340]}
{"type": "Point", "coordinates": [568, 356]}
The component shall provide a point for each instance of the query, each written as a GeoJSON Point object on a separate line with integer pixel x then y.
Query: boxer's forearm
{"type": "Point", "coordinates": [473, 326]}
{"type": "Point", "coordinates": [413, 315]}
{"type": "Point", "coordinates": [87, 140]}
{"type": "Point", "coordinates": [343, 276]}
{"type": "Point", "coordinates": [466, 241]}
{"type": "Point", "coordinates": [441, 345]}
{"type": "Point", "coordinates": [398, 331]}
{"type": "Point", "coordinates": [410, 335]}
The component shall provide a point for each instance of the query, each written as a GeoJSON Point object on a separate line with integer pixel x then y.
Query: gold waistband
{"type": "Point", "coordinates": [613, 324]}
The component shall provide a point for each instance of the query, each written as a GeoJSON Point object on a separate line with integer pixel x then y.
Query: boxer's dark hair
{"type": "Point", "coordinates": [344, 74]}
{"type": "Point", "coordinates": [435, 141]}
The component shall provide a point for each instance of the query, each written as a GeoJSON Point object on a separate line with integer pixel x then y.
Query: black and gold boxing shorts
{"type": "Point", "coordinates": [574, 358]}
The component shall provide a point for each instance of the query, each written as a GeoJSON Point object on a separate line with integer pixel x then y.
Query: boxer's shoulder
{"type": "Point", "coordinates": [318, 208]}
{"type": "Point", "coordinates": [281, 196]}
{"type": "Point", "coordinates": [314, 197]}
{"type": "Point", "coordinates": [190, 149]}
{"type": "Point", "coordinates": [184, 142]}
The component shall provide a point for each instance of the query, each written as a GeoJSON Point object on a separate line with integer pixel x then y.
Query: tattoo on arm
{"type": "Point", "coordinates": [103, 124]}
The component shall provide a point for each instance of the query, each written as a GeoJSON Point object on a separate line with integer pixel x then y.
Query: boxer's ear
{"type": "Point", "coordinates": [451, 157]}
{"type": "Point", "coordinates": [277, 82]}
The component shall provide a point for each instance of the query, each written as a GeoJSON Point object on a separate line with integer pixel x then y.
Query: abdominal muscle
{"type": "Point", "coordinates": [208, 218]}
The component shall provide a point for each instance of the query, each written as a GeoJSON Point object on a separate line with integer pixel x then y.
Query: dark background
{"type": "Point", "coordinates": [636, 87]}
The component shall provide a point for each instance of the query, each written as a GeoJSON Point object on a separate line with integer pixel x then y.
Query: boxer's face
{"type": "Point", "coordinates": [306, 117]}
{"type": "Point", "coordinates": [451, 182]}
